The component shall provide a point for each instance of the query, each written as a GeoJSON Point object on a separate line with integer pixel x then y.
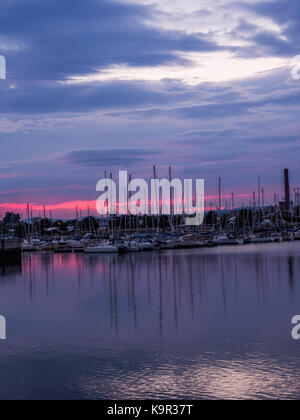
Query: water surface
{"type": "Point", "coordinates": [209, 323]}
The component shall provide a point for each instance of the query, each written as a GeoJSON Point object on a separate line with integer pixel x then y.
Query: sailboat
{"type": "Point", "coordinates": [224, 240]}
{"type": "Point", "coordinates": [103, 248]}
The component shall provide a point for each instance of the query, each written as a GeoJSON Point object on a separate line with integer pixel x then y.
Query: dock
{"type": "Point", "coordinates": [10, 246]}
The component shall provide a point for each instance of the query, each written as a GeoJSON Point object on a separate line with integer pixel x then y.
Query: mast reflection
{"type": "Point", "coordinates": [164, 293]}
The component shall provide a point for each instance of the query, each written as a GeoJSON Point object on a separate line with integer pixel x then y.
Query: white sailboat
{"type": "Point", "coordinates": [104, 248]}
{"type": "Point", "coordinates": [224, 240]}
{"type": "Point", "coordinates": [260, 239]}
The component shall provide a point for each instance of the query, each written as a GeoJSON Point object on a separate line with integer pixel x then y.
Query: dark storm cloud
{"type": "Point", "coordinates": [107, 158]}
{"type": "Point", "coordinates": [59, 38]}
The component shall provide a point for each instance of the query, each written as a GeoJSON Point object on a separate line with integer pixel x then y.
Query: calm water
{"type": "Point", "coordinates": [212, 323]}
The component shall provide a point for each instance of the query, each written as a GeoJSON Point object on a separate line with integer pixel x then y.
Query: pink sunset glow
{"type": "Point", "coordinates": [67, 209]}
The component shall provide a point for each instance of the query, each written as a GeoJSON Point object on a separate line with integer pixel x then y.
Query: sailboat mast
{"type": "Point", "coordinates": [219, 207]}
{"type": "Point", "coordinates": [220, 201]}
{"type": "Point", "coordinates": [111, 210]}
{"type": "Point", "coordinates": [28, 216]}
{"type": "Point", "coordinates": [171, 200]}
{"type": "Point", "coordinates": [157, 199]}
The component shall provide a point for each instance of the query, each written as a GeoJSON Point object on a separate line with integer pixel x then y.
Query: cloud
{"type": "Point", "coordinates": [286, 15]}
{"type": "Point", "coordinates": [47, 98]}
{"type": "Point", "coordinates": [54, 39]}
{"type": "Point", "coordinates": [222, 136]}
{"type": "Point", "coordinates": [242, 99]}
{"type": "Point", "coordinates": [139, 97]}
{"type": "Point", "coordinates": [109, 157]}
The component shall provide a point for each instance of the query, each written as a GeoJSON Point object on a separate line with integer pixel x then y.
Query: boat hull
{"type": "Point", "coordinates": [101, 250]}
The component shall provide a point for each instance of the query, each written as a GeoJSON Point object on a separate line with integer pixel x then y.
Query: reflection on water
{"type": "Point", "coordinates": [10, 267]}
{"type": "Point", "coordinates": [212, 323]}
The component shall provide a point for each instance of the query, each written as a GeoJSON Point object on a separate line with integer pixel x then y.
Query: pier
{"type": "Point", "coordinates": [10, 246]}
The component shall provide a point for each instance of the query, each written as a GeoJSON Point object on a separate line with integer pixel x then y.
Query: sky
{"type": "Point", "coordinates": [107, 85]}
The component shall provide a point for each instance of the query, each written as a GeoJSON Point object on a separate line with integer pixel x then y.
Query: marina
{"type": "Point", "coordinates": [223, 225]}
{"type": "Point", "coordinates": [135, 243]}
